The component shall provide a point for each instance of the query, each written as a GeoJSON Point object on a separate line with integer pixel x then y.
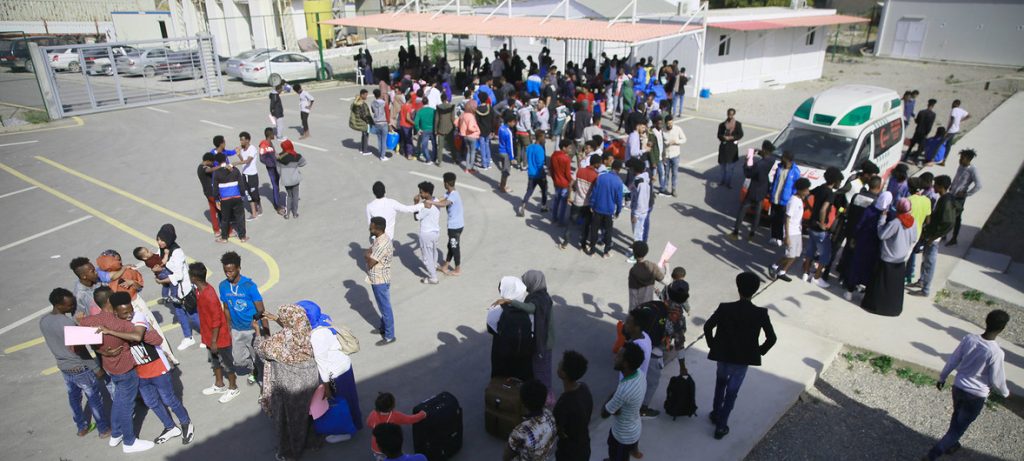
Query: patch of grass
{"type": "Point", "coordinates": [915, 377]}
{"type": "Point", "coordinates": [942, 294]}
{"type": "Point", "coordinates": [882, 364]}
{"type": "Point", "coordinates": [34, 116]}
{"type": "Point", "coordinates": [994, 401]}
{"type": "Point", "coordinates": [972, 295]}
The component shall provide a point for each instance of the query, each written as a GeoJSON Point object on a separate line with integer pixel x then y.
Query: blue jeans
{"type": "Point", "coordinates": [470, 145]}
{"type": "Point", "coordinates": [275, 184]}
{"type": "Point", "coordinates": [558, 211]}
{"type": "Point", "coordinates": [677, 103]}
{"type": "Point", "coordinates": [126, 388]}
{"type": "Point", "coordinates": [819, 243]}
{"type": "Point", "coordinates": [382, 293]}
{"type": "Point", "coordinates": [671, 171]}
{"type": "Point", "coordinates": [658, 169]}
{"type": "Point", "coordinates": [86, 383]}
{"type": "Point", "coordinates": [405, 139]}
{"type": "Point", "coordinates": [911, 265]}
{"type": "Point", "coordinates": [727, 384]}
{"type": "Point", "coordinates": [966, 408]}
{"type": "Point", "coordinates": [158, 393]}
{"type": "Point", "coordinates": [484, 146]}
{"type": "Point", "coordinates": [928, 258]}
{"type": "Point", "coordinates": [425, 138]}
{"type": "Point", "coordinates": [381, 130]}
{"type": "Point", "coordinates": [187, 321]}
{"type": "Point", "coordinates": [726, 173]}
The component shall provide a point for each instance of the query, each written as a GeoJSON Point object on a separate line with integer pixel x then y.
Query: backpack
{"type": "Point", "coordinates": [680, 398]}
{"type": "Point", "coordinates": [515, 334]}
{"type": "Point", "coordinates": [809, 208]}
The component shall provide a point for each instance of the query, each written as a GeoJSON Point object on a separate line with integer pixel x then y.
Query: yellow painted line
{"type": "Point", "coordinates": [272, 267]}
{"type": "Point", "coordinates": [39, 340]}
{"type": "Point", "coordinates": [78, 122]}
{"type": "Point", "coordinates": [52, 370]}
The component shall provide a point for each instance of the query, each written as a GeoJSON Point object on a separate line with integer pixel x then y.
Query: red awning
{"type": "Point", "coordinates": [517, 26]}
{"type": "Point", "coordinates": [800, 21]}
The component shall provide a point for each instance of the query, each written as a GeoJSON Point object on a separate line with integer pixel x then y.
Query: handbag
{"type": "Point", "coordinates": [337, 420]}
{"type": "Point", "coordinates": [349, 342]}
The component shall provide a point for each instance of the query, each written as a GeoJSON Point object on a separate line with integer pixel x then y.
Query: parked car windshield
{"type": "Point", "coordinates": [816, 148]}
{"type": "Point", "coordinates": [252, 53]}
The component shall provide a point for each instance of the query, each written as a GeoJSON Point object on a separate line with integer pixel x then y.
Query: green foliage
{"type": "Point", "coordinates": [994, 401]}
{"type": "Point", "coordinates": [882, 364]}
{"type": "Point", "coordinates": [436, 48]}
{"type": "Point", "coordinates": [942, 294]}
{"type": "Point", "coordinates": [35, 116]}
{"type": "Point", "coordinates": [915, 377]}
{"type": "Point", "coordinates": [972, 295]}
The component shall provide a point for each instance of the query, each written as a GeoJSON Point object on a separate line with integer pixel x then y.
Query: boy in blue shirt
{"type": "Point", "coordinates": [244, 303]}
{"type": "Point", "coordinates": [605, 205]}
{"type": "Point", "coordinates": [506, 150]}
{"type": "Point", "coordinates": [535, 159]}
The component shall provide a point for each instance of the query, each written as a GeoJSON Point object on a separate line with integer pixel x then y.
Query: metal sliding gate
{"type": "Point", "coordinates": [88, 78]}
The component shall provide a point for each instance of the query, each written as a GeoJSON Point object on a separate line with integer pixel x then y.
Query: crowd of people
{"type": "Point", "coordinates": [874, 231]}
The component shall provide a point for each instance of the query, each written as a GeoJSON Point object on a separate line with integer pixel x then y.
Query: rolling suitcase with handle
{"type": "Point", "coordinates": [503, 409]}
{"type": "Point", "coordinates": [439, 436]}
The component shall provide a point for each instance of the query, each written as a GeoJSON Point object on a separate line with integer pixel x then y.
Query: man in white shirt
{"type": "Point", "coordinates": [793, 234]}
{"type": "Point", "coordinates": [956, 115]}
{"type": "Point", "coordinates": [386, 208]}
{"type": "Point", "coordinates": [433, 96]}
{"type": "Point", "coordinates": [978, 361]}
{"type": "Point", "coordinates": [429, 216]}
{"type": "Point", "coordinates": [246, 163]}
{"type": "Point", "coordinates": [306, 101]}
{"type": "Point", "coordinates": [674, 139]}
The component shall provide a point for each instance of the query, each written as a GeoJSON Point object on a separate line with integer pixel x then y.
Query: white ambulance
{"type": "Point", "coordinates": [842, 127]}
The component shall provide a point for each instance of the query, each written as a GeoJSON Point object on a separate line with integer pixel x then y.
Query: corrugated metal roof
{"type": "Point", "coordinates": [782, 23]}
{"type": "Point", "coordinates": [503, 26]}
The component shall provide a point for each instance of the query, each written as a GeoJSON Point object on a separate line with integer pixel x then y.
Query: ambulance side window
{"type": "Point", "coordinates": [863, 154]}
{"type": "Point", "coordinates": [887, 136]}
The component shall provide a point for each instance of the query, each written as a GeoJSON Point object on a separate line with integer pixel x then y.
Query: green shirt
{"type": "Point", "coordinates": [424, 120]}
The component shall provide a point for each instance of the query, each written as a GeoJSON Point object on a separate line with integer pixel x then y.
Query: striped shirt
{"type": "Point", "coordinates": [381, 251]}
{"type": "Point", "coordinates": [628, 398]}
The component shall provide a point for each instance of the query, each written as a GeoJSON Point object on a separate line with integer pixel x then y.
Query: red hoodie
{"type": "Point", "coordinates": [561, 169]}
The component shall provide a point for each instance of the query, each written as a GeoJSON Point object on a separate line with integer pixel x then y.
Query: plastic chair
{"type": "Point", "coordinates": [360, 76]}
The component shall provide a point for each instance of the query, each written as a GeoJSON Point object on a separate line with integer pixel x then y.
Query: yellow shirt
{"type": "Point", "coordinates": [920, 208]}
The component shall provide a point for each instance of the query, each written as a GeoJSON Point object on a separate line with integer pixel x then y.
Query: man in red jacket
{"type": "Point", "coordinates": [561, 175]}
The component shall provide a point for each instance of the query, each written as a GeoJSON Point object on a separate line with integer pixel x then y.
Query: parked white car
{"type": "Point", "coordinates": [65, 59]}
{"type": "Point", "coordinates": [271, 69]}
{"type": "Point", "coordinates": [97, 60]}
{"type": "Point", "coordinates": [234, 64]}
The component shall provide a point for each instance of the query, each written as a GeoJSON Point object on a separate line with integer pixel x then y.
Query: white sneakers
{"type": "Point", "coordinates": [186, 343]}
{"type": "Point", "coordinates": [168, 434]}
{"type": "Point", "coordinates": [137, 447]}
{"type": "Point", "coordinates": [215, 390]}
{"type": "Point", "coordinates": [777, 242]}
{"type": "Point", "coordinates": [848, 295]}
{"type": "Point", "coordinates": [821, 283]}
{"type": "Point", "coordinates": [337, 438]}
{"type": "Point", "coordinates": [229, 395]}
{"type": "Point", "coordinates": [806, 277]}
{"type": "Point", "coordinates": [115, 441]}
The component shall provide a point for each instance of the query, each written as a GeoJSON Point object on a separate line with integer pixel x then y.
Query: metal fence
{"type": "Point", "coordinates": [87, 78]}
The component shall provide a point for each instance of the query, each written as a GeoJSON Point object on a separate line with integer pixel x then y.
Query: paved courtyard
{"type": "Point", "coordinates": [111, 183]}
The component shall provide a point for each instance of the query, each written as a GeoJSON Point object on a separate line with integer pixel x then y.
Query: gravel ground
{"type": "Point", "coordinates": [854, 413]}
{"type": "Point", "coordinates": [941, 81]}
{"type": "Point", "coordinates": [952, 301]}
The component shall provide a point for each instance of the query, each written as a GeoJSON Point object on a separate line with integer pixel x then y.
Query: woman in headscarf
{"type": "Point", "coordinates": [510, 356]}
{"type": "Point", "coordinates": [865, 254]}
{"type": "Point", "coordinates": [177, 268]}
{"type": "Point", "coordinates": [290, 378]}
{"type": "Point", "coordinates": [288, 163]}
{"type": "Point", "coordinates": [884, 295]}
{"type": "Point", "coordinates": [334, 366]}
{"type": "Point", "coordinates": [538, 303]}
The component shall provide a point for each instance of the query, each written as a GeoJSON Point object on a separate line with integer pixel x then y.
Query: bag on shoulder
{"type": "Point", "coordinates": [349, 342]}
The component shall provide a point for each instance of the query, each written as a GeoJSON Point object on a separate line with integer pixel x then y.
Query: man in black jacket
{"type": "Point", "coordinates": [277, 110]}
{"type": "Point", "coordinates": [760, 178]}
{"type": "Point", "coordinates": [922, 127]}
{"type": "Point", "coordinates": [732, 333]}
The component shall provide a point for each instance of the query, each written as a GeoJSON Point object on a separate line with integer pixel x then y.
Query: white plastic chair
{"type": "Point", "coordinates": [360, 76]}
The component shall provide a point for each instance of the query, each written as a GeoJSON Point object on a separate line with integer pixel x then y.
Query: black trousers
{"type": "Point", "coordinates": [304, 116]}
{"type": "Point", "coordinates": [958, 205]}
{"type": "Point", "coordinates": [232, 216]}
{"type": "Point", "coordinates": [364, 141]}
{"type": "Point", "coordinates": [602, 222]}
{"type": "Point", "coordinates": [778, 221]}
{"type": "Point", "coordinates": [252, 188]}
{"type": "Point", "coordinates": [576, 213]}
{"type": "Point", "coordinates": [454, 246]}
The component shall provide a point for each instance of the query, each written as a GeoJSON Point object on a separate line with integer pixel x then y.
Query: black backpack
{"type": "Point", "coordinates": [680, 399]}
{"type": "Point", "coordinates": [515, 334]}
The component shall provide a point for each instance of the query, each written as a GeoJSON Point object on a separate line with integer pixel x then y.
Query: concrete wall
{"type": "Point", "coordinates": [68, 10]}
{"type": "Point", "coordinates": [58, 27]}
{"type": "Point", "coordinates": [975, 31]}
{"type": "Point", "coordinates": [141, 26]}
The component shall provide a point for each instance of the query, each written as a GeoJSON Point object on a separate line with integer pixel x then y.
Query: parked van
{"type": "Point", "coordinates": [842, 127]}
{"type": "Point", "coordinates": [14, 53]}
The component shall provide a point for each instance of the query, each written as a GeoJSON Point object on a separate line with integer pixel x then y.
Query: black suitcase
{"type": "Point", "coordinates": [461, 82]}
{"type": "Point", "coordinates": [439, 436]}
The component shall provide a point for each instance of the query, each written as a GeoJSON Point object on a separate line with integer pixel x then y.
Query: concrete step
{"type": "Point", "coordinates": [989, 260]}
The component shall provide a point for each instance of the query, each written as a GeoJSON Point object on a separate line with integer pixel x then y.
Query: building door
{"type": "Point", "coordinates": [909, 38]}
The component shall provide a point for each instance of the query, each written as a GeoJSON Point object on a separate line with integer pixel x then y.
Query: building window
{"type": "Point", "coordinates": [724, 44]}
{"type": "Point", "coordinates": [809, 39]}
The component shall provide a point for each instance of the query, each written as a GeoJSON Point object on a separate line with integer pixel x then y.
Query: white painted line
{"type": "Point", "coordinates": [154, 109]}
{"type": "Point", "coordinates": [18, 143]}
{"type": "Point", "coordinates": [345, 99]}
{"type": "Point", "coordinates": [457, 184]}
{"type": "Point", "coordinates": [45, 232]}
{"type": "Point", "coordinates": [307, 146]}
{"type": "Point", "coordinates": [216, 124]}
{"type": "Point", "coordinates": [25, 320]}
{"type": "Point", "coordinates": [758, 138]}
{"type": "Point", "coordinates": [18, 191]}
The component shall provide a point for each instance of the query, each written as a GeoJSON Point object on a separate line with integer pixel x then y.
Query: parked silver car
{"type": "Point", "coordinates": [142, 63]}
{"type": "Point", "coordinates": [97, 60]}
{"type": "Point", "coordinates": [234, 68]}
